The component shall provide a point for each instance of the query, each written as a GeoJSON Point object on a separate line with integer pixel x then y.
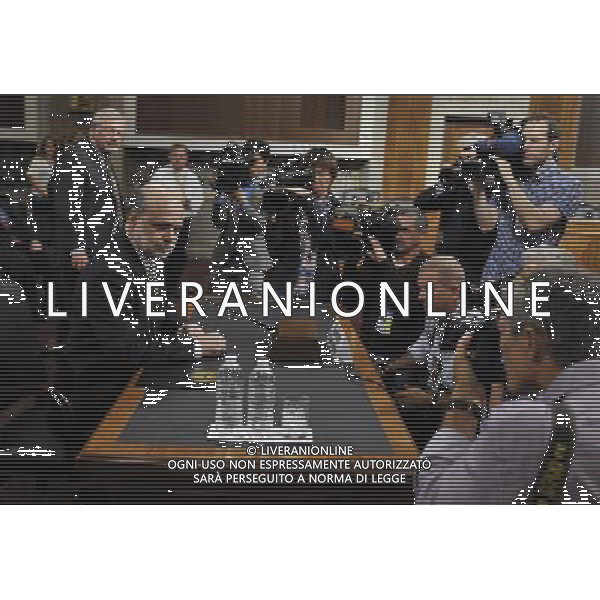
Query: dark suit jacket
{"type": "Point", "coordinates": [461, 235]}
{"type": "Point", "coordinates": [404, 330]}
{"type": "Point", "coordinates": [85, 200]}
{"type": "Point", "coordinates": [104, 352]}
{"type": "Point", "coordinates": [232, 228]}
{"type": "Point", "coordinates": [283, 241]}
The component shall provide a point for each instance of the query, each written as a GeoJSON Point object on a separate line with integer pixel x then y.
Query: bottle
{"type": "Point", "coordinates": [230, 393]}
{"type": "Point", "coordinates": [261, 391]}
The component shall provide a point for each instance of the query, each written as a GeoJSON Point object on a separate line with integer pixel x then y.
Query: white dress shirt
{"type": "Point", "coordinates": [184, 182]}
{"type": "Point", "coordinates": [500, 464]}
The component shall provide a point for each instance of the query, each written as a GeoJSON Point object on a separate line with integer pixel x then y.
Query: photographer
{"type": "Point", "coordinates": [304, 236]}
{"type": "Point", "coordinates": [421, 378]}
{"type": "Point", "coordinates": [539, 443]}
{"type": "Point", "coordinates": [454, 196]}
{"type": "Point", "coordinates": [539, 200]}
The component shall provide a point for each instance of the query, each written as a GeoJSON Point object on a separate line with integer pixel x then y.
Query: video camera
{"type": "Point", "coordinates": [506, 143]}
{"type": "Point", "coordinates": [232, 168]}
{"type": "Point", "coordinates": [292, 181]}
{"type": "Point", "coordinates": [486, 356]}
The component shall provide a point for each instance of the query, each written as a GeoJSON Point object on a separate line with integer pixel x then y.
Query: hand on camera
{"type": "Point", "coordinates": [466, 387]}
{"type": "Point", "coordinates": [504, 167]}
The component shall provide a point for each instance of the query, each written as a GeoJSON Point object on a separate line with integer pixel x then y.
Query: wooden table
{"type": "Point", "coordinates": [106, 443]}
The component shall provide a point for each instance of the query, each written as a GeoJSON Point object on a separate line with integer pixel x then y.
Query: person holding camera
{"type": "Point", "coordinates": [303, 235]}
{"type": "Point", "coordinates": [538, 442]}
{"type": "Point", "coordinates": [539, 200]}
{"type": "Point", "coordinates": [394, 256]}
{"type": "Point", "coordinates": [421, 378]}
{"type": "Point", "coordinates": [460, 236]}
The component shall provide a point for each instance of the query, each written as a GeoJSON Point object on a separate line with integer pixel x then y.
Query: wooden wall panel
{"type": "Point", "coordinates": [566, 110]}
{"type": "Point", "coordinates": [407, 146]}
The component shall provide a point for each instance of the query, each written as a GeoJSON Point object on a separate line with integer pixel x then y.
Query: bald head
{"type": "Point", "coordinates": [446, 274]}
{"type": "Point", "coordinates": [154, 227]}
{"type": "Point", "coordinates": [441, 267]}
{"type": "Point", "coordinates": [159, 196]}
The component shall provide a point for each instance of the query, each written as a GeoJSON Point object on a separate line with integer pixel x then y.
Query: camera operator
{"type": "Point", "coordinates": [539, 444]}
{"type": "Point", "coordinates": [454, 196]}
{"type": "Point", "coordinates": [539, 200]}
{"type": "Point", "coordinates": [304, 235]}
{"type": "Point", "coordinates": [395, 257]}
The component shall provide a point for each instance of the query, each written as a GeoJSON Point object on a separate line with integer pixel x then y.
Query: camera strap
{"type": "Point", "coordinates": [550, 482]}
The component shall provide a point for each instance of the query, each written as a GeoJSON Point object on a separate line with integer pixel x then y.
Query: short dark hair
{"type": "Point", "coordinates": [572, 326]}
{"type": "Point", "coordinates": [322, 158]}
{"type": "Point", "coordinates": [175, 147]}
{"type": "Point", "coordinates": [553, 130]}
{"type": "Point", "coordinates": [41, 147]}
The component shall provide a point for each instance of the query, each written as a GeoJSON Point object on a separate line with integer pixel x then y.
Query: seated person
{"type": "Point", "coordinates": [104, 352]}
{"type": "Point", "coordinates": [538, 443]}
{"type": "Point", "coordinates": [421, 377]}
{"type": "Point", "coordinates": [395, 257]}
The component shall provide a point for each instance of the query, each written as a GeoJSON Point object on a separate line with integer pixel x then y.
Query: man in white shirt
{"type": "Point", "coordinates": [180, 179]}
{"type": "Point", "coordinates": [540, 443]}
{"type": "Point", "coordinates": [182, 183]}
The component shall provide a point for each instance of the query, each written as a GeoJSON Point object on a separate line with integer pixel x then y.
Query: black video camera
{"type": "Point", "coordinates": [486, 356]}
{"type": "Point", "coordinates": [295, 173]}
{"type": "Point", "coordinates": [506, 143]}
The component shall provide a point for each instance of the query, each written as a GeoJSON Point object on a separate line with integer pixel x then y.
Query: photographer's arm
{"type": "Point", "coordinates": [534, 216]}
{"type": "Point", "coordinates": [485, 212]}
{"type": "Point", "coordinates": [466, 389]}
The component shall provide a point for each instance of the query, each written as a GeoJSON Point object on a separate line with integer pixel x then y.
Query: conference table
{"type": "Point", "coordinates": [348, 404]}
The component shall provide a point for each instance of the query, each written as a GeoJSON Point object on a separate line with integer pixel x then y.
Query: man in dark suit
{"type": "Point", "coordinates": [103, 352]}
{"type": "Point", "coordinates": [85, 197]}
